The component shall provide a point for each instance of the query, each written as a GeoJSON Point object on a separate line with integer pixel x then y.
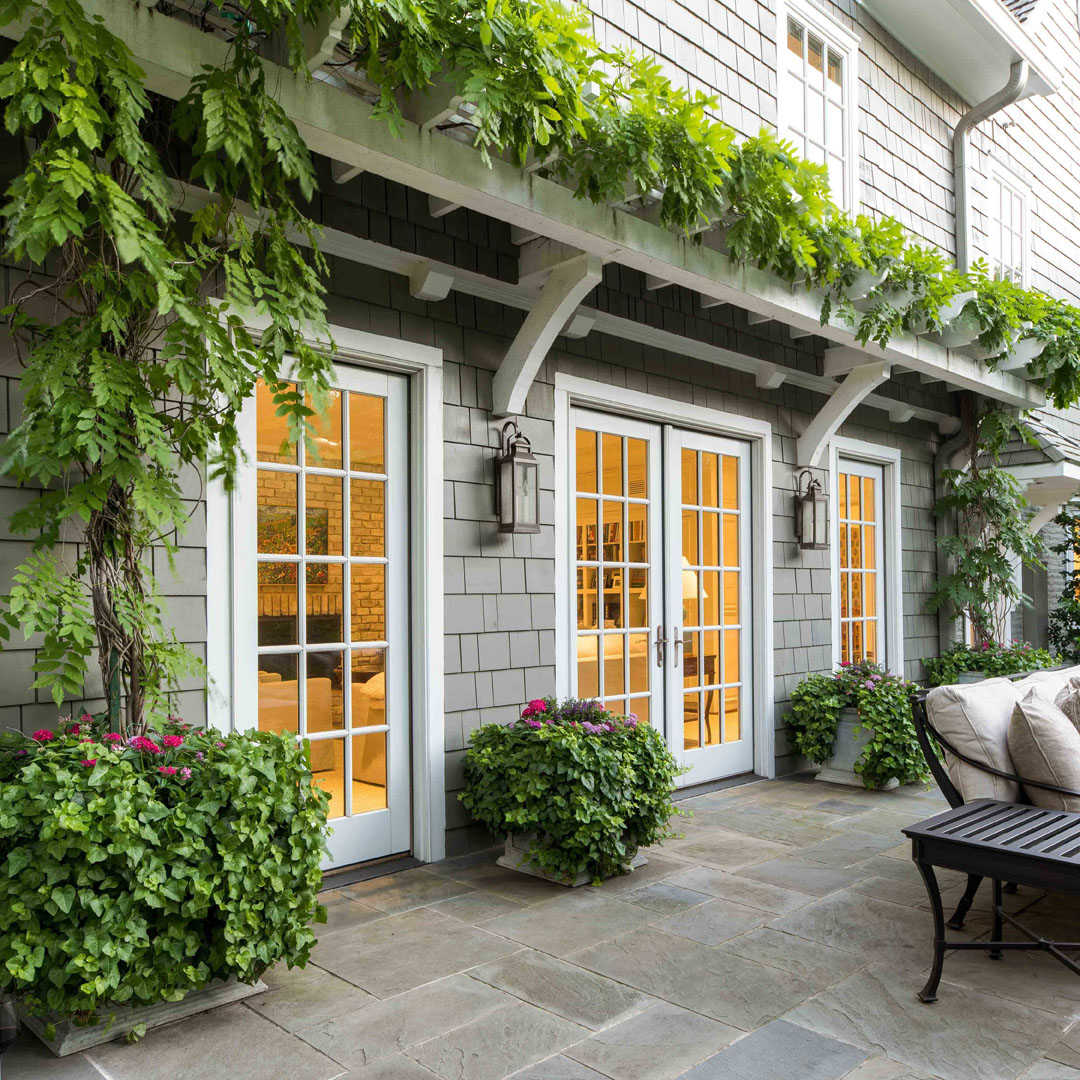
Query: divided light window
{"type": "Point", "coordinates": [816, 100]}
{"type": "Point", "coordinates": [1007, 228]}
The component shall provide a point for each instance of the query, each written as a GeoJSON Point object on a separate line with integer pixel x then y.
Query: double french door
{"type": "Point", "coordinates": [328, 529]}
{"type": "Point", "coordinates": [662, 580]}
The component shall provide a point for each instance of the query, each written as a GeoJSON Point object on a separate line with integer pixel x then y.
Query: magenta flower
{"type": "Point", "coordinates": [112, 737]}
{"type": "Point", "coordinates": [185, 773]}
{"type": "Point", "coordinates": [74, 729]}
{"type": "Point", "coordinates": [44, 735]}
{"type": "Point", "coordinates": [172, 741]}
{"type": "Point", "coordinates": [220, 745]}
{"type": "Point", "coordinates": [86, 718]}
{"type": "Point", "coordinates": [148, 746]}
{"type": "Point", "coordinates": [89, 762]}
{"type": "Point", "coordinates": [21, 753]}
{"type": "Point", "coordinates": [845, 663]}
{"type": "Point", "coordinates": [168, 770]}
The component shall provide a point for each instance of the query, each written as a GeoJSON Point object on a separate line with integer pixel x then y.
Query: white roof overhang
{"type": "Point", "coordinates": [339, 125]}
{"type": "Point", "coordinates": [1048, 485]}
{"type": "Point", "coordinates": [970, 44]}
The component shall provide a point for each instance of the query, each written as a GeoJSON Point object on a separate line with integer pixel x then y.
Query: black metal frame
{"type": "Point", "coordinates": [926, 857]}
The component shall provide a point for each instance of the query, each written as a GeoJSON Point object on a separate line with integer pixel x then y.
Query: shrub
{"type": "Point", "coordinates": [594, 787]}
{"type": "Point", "coordinates": [990, 657]}
{"type": "Point", "coordinates": [883, 702]}
{"type": "Point", "coordinates": [134, 872]}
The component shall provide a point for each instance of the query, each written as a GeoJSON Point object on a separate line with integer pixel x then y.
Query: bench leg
{"type": "Point", "coordinates": [957, 921]}
{"type": "Point", "coordinates": [928, 993]}
{"type": "Point", "coordinates": [995, 954]}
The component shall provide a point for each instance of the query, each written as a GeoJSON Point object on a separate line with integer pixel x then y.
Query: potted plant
{"type": "Point", "coordinates": [966, 663]}
{"type": "Point", "coordinates": [574, 789]}
{"type": "Point", "coordinates": [150, 877]}
{"type": "Point", "coordinates": [856, 724]}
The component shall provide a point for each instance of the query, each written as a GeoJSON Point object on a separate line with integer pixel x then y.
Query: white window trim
{"type": "Point", "coordinates": [889, 458]}
{"type": "Point", "coordinates": [999, 171]}
{"type": "Point", "coordinates": [843, 40]}
{"type": "Point", "coordinates": [225, 645]}
{"type": "Point", "coordinates": [570, 391]}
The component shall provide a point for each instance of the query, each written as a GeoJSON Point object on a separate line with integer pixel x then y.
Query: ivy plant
{"type": "Point", "coordinates": [1064, 628]}
{"type": "Point", "coordinates": [588, 786]}
{"type": "Point", "coordinates": [136, 870]}
{"type": "Point", "coordinates": [989, 658]}
{"type": "Point", "coordinates": [883, 702]}
{"type": "Point", "coordinates": [136, 357]}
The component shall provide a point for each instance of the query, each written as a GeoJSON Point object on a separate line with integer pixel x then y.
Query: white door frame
{"type": "Point", "coordinates": [571, 390]}
{"type": "Point", "coordinates": [227, 644]}
{"type": "Point", "coordinates": [888, 457]}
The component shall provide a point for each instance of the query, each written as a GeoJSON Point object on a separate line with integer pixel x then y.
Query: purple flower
{"type": "Point", "coordinates": [199, 755]}
{"type": "Point", "coordinates": [868, 684]}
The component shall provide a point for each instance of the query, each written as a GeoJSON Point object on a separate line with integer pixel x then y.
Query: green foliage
{"type": "Point", "coordinates": [1064, 628]}
{"type": "Point", "coordinates": [135, 875]}
{"type": "Point", "coordinates": [992, 531]}
{"type": "Point", "coordinates": [989, 657]}
{"type": "Point", "coordinates": [883, 701]}
{"type": "Point", "coordinates": [143, 360]}
{"type": "Point", "coordinates": [593, 787]}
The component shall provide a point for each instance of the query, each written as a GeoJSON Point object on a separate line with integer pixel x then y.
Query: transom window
{"type": "Point", "coordinates": [817, 72]}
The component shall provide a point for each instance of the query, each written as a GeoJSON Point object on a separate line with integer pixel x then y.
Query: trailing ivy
{"type": "Point", "coordinates": [990, 658]}
{"type": "Point", "coordinates": [883, 701]}
{"type": "Point", "coordinates": [591, 786]}
{"type": "Point", "coordinates": [136, 871]}
{"type": "Point", "coordinates": [1064, 628]}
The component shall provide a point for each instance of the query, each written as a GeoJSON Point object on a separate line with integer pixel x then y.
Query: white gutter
{"type": "Point", "coordinates": [961, 144]}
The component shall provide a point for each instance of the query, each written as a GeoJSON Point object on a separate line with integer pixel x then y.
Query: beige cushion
{"type": "Point", "coordinates": [975, 717]}
{"type": "Point", "coordinates": [1054, 680]}
{"type": "Point", "coordinates": [1045, 746]}
{"type": "Point", "coordinates": [1068, 701]}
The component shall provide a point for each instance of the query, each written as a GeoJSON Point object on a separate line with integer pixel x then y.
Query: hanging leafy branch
{"type": "Point", "coordinates": [1064, 622]}
{"type": "Point", "coordinates": [136, 359]}
{"type": "Point", "coordinates": [992, 527]}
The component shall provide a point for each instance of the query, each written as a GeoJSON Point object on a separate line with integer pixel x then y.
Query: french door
{"type": "Point", "coordinates": [329, 545]}
{"type": "Point", "coordinates": [860, 544]}
{"type": "Point", "coordinates": [661, 579]}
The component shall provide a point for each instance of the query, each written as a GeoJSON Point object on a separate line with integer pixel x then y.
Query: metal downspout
{"type": "Point", "coordinates": [1017, 84]}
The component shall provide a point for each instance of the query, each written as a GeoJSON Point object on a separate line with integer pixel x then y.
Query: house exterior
{"type": "Point", "coordinates": [364, 594]}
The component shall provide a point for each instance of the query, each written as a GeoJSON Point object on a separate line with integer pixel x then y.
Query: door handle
{"type": "Point", "coordinates": [661, 641]}
{"type": "Point", "coordinates": [676, 643]}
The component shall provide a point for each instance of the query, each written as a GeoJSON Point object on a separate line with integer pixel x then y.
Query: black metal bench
{"type": "Point", "coordinates": [1006, 842]}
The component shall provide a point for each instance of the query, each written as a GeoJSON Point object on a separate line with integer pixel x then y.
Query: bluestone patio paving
{"type": "Point", "coordinates": [785, 935]}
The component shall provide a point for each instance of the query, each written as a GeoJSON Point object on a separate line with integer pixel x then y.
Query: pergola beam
{"type": "Point", "coordinates": [858, 384]}
{"type": "Point", "coordinates": [565, 289]}
{"type": "Point", "coordinates": [343, 128]}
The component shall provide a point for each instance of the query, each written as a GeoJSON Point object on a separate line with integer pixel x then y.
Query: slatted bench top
{"type": "Point", "coordinates": [1047, 836]}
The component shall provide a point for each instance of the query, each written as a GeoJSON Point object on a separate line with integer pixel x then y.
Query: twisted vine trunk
{"type": "Point", "coordinates": [117, 576]}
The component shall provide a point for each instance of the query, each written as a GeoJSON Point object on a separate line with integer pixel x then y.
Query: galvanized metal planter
{"type": "Point", "coordinates": [847, 749]}
{"type": "Point", "coordinates": [69, 1038]}
{"type": "Point", "coordinates": [515, 857]}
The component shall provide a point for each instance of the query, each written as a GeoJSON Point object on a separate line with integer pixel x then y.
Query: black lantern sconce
{"type": "Point", "coordinates": [811, 513]}
{"type": "Point", "coordinates": [517, 486]}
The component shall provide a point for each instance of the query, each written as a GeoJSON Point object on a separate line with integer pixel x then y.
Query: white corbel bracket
{"type": "Point", "coordinates": [427, 283]}
{"type": "Point", "coordinates": [567, 286]}
{"type": "Point", "coordinates": [859, 383]}
{"type": "Point", "coordinates": [321, 39]}
{"type": "Point", "coordinates": [343, 173]}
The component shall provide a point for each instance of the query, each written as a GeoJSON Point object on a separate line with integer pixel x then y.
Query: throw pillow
{"type": "Point", "coordinates": [1045, 746]}
{"type": "Point", "coordinates": [1068, 700]}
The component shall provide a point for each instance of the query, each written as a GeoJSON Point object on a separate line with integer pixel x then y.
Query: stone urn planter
{"type": "Point", "coordinates": [69, 1038]}
{"type": "Point", "coordinates": [515, 857]}
{"type": "Point", "coordinates": [847, 749]}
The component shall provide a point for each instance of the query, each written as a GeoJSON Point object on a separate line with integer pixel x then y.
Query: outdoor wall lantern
{"type": "Point", "coordinates": [517, 488]}
{"type": "Point", "coordinates": [811, 513]}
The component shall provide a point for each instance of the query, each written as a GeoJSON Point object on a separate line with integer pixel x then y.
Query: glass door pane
{"type": "Point", "coordinates": [860, 584]}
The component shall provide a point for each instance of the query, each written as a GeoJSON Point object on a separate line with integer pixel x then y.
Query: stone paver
{"type": "Point", "coordinates": [654, 1045]}
{"type": "Point", "coordinates": [785, 934]}
{"type": "Point", "coordinates": [779, 1051]}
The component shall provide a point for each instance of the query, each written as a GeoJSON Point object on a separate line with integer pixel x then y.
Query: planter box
{"type": "Point", "coordinates": [69, 1038]}
{"type": "Point", "coordinates": [848, 748]}
{"type": "Point", "coordinates": [515, 857]}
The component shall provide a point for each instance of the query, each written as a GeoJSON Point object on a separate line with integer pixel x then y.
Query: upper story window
{"type": "Point", "coordinates": [818, 62]}
{"type": "Point", "coordinates": [1007, 225]}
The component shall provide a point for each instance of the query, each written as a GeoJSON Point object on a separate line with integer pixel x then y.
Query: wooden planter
{"type": "Point", "coordinates": [69, 1038]}
{"type": "Point", "coordinates": [847, 749]}
{"type": "Point", "coordinates": [515, 857]}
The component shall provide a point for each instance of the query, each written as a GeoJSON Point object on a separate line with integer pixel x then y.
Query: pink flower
{"type": "Point", "coordinates": [74, 729]}
{"type": "Point", "coordinates": [220, 745]}
{"type": "Point", "coordinates": [168, 770]}
{"type": "Point", "coordinates": [199, 755]}
{"type": "Point", "coordinates": [845, 663]}
{"type": "Point", "coordinates": [185, 773]}
{"type": "Point", "coordinates": [172, 741]}
{"type": "Point", "coordinates": [89, 762]}
{"type": "Point", "coordinates": [538, 705]}
{"type": "Point", "coordinates": [86, 740]}
{"type": "Point", "coordinates": [44, 735]}
{"type": "Point", "coordinates": [86, 717]}
{"type": "Point", "coordinates": [112, 736]}
{"type": "Point", "coordinates": [148, 746]}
